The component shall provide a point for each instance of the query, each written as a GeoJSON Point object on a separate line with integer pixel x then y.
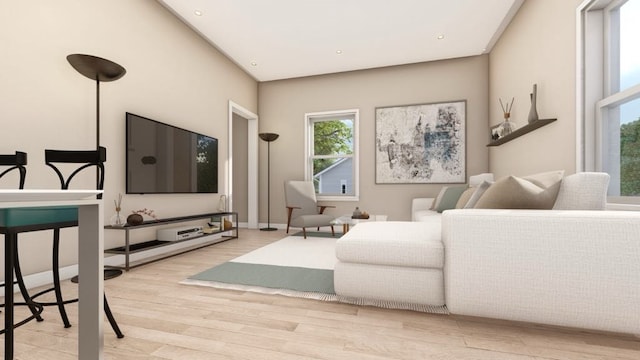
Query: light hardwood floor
{"type": "Point", "coordinates": [162, 319]}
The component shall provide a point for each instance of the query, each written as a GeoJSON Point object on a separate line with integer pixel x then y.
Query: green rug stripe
{"type": "Point", "coordinates": [271, 276]}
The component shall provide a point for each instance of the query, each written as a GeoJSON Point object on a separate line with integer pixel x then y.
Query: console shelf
{"type": "Point", "coordinates": [128, 249]}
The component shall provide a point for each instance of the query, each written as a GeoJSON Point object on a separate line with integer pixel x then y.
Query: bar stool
{"type": "Point", "coordinates": [17, 162]}
{"type": "Point", "coordinates": [87, 159]}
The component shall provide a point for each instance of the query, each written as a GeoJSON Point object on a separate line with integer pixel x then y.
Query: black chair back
{"type": "Point", "coordinates": [17, 162]}
{"type": "Point", "coordinates": [88, 158]}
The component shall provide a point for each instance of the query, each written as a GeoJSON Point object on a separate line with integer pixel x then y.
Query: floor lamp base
{"type": "Point", "coordinates": [268, 229]}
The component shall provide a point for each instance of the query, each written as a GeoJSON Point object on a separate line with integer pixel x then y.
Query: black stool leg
{"type": "Point", "coordinates": [23, 288]}
{"type": "Point", "coordinates": [112, 320]}
{"type": "Point", "coordinates": [56, 278]}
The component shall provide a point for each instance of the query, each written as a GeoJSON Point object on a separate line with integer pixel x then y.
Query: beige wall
{"type": "Point", "coordinates": [172, 76]}
{"type": "Point", "coordinates": [538, 47]}
{"type": "Point", "coordinates": [282, 105]}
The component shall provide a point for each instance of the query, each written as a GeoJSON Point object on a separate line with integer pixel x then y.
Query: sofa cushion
{"type": "Point", "coordinates": [450, 197]}
{"type": "Point", "coordinates": [438, 198]}
{"type": "Point", "coordinates": [537, 191]}
{"type": "Point", "coordinates": [464, 198]}
{"type": "Point", "coordinates": [583, 191]}
{"type": "Point", "coordinates": [476, 180]}
{"type": "Point", "coordinates": [394, 243]}
{"type": "Point", "coordinates": [477, 193]}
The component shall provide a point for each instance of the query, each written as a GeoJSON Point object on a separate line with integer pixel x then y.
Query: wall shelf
{"type": "Point", "coordinates": [521, 131]}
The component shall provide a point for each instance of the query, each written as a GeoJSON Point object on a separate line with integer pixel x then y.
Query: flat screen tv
{"type": "Point", "coordinates": [165, 159]}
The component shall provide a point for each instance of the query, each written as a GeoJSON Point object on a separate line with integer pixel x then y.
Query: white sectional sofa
{"type": "Point", "coordinates": [575, 268]}
{"type": "Point", "coordinates": [569, 268]}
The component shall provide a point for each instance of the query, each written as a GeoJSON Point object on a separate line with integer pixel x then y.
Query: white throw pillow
{"type": "Point", "coordinates": [583, 191]}
{"type": "Point", "coordinates": [479, 190]}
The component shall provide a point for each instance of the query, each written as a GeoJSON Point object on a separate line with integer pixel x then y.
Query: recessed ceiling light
{"type": "Point", "coordinates": [198, 13]}
{"type": "Point", "coordinates": [338, 52]}
{"type": "Point", "coordinates": [253, 63]}
{"type": "Point", "coordinates": [440, 37]}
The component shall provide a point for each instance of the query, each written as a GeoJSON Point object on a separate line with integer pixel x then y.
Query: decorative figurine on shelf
{"type": "Point", "coordinates": [507, 127]}
{"type": "Point", "coordinates": [356, 213]}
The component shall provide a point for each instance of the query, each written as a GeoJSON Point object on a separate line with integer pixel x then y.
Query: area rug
{"type": "Point", "coordinates": [292, 266]}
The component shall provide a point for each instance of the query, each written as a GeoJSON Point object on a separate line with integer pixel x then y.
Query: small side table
{"type": "Point", "coordinates": [347, 221]}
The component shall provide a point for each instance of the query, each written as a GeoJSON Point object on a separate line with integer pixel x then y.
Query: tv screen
{"type": "Point", "coordinates": [163, 159]}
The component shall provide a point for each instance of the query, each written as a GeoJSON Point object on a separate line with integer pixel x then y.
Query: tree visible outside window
{"type": "Point", "coordinates": [332, 153]}
{"type": "Point", "coordinates": [610, 57]}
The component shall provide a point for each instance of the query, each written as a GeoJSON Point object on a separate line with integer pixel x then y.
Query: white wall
{"type": "Point", "coordinates": [538, 47]}
{"type": "Point", "coordinates": [173, 76]}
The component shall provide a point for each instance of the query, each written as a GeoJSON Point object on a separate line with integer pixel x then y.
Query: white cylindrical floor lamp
{"type": "Point", "coordinates": [269, 138]}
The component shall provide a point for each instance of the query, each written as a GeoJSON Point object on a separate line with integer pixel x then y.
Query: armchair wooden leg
{"type": "Point", "coordinates": [289, 212]}
{"type": "Point", "coordinates": [304, 233]}
{"type": "Point", "coordinates": [333, 233]}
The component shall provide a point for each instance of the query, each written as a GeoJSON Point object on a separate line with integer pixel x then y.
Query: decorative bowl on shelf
{"type": "Point", "coordinates": [135, 219]}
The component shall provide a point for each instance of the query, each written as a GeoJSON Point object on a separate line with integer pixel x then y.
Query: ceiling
{"type": "Point", "coordinates": [281, 39]}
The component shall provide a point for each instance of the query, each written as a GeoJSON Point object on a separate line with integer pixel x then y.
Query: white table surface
{"type": "Point", "coordinates": [90, 257]}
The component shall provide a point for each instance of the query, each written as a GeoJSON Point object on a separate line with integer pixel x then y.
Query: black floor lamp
{"type": "Point", "coordinates": [268, 137]}
{"type": "Point", "coordinates": [98, 69]}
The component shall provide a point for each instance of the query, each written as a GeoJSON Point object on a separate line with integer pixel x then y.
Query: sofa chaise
{"type": "Point", "coordinates": [568, 266]}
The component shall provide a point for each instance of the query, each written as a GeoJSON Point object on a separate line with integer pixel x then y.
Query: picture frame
{"type": "Point", "coordinates": [421, 143]}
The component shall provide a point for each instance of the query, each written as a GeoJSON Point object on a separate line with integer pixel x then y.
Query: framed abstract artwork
{"type": "Point", "coordinates": [421, 144]}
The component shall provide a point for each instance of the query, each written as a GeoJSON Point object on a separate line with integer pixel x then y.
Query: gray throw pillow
{"type": "Point", "coordinates": [450, 197]}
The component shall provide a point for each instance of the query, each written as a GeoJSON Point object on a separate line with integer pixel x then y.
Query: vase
{"type": "Point", "coordinates": [117, 219]}
{"type": "Point", "coordinates": [533, 113]}
{"type": "Point", "coordinates": [507, 127]}
{"type": "Point", "coordinates": [135, 219]}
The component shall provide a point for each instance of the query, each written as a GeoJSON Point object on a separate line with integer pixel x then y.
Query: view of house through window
{"type": "Point", "coordinates": [332, 153]}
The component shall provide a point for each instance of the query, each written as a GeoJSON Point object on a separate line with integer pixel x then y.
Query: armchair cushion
{"type": "Point", "coordinates": [314, 220]}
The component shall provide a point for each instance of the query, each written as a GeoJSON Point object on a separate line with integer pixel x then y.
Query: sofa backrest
{"type": "Point", "coordinates": [583, 191]}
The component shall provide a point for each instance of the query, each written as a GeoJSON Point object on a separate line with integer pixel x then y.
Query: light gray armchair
{"type": "Point", "coordinates": [303, 210]}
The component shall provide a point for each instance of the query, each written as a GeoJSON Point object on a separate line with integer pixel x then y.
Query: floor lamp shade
{"type": "Point", "coordinates": [269, 138]}
{"type": "Point", "coordinates": [98, 69]}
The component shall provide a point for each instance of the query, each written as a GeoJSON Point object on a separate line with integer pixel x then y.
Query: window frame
{"type": "Point", "coordinates": [310, 119]}
{"type": "Point", "coordinates": [598, 95]}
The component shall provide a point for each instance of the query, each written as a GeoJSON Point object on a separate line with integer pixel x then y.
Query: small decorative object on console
{"type": "Point", "coordinates": [116, 219]}
{"type": "Point", "coordinates": [228, 225]}
{"type": "Point", "coordinates": [135, 219]}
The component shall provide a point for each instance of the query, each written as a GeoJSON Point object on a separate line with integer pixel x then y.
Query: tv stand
{"type": "Point", "coordinates": [128, 249]}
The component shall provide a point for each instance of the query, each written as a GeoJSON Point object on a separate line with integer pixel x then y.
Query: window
{"type": "Point", "coordinates": [331, 144]}
{"type": "Point", "coordinates": [609, 116]}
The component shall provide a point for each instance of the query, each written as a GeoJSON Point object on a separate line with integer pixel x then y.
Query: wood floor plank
{"type": "Point", "coordinates": [163, 319]}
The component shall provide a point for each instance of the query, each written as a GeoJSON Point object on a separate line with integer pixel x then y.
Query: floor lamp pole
{"type": "Point", "coordinates": [98, 69]}
{"type": "Point", "coordinates": [269, 138]}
